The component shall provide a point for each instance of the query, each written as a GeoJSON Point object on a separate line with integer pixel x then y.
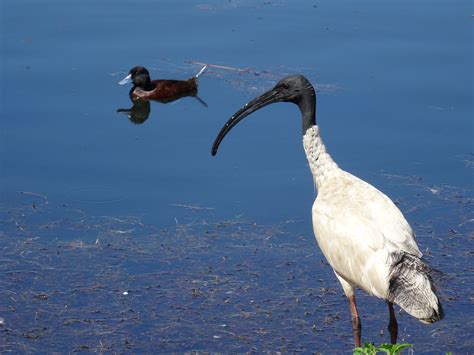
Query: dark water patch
{"type": "Point", "coordinates": [124, 285]}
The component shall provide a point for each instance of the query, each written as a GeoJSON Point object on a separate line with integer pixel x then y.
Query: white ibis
{"type": "Point", "coordinates": [360, 231]}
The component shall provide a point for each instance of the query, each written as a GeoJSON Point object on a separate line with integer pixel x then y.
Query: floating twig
{"type": "Point", "coordinates": [33, 194]}
{"type": "Point", "coordinates": [192, 207]}
{"type": "Point", "coordinates": [218, 66]}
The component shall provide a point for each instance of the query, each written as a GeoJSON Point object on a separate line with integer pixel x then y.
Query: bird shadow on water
{"type": "Point", "coordinates": [74, 282]}
{"type": "Point", "coordinates": [140, 110]}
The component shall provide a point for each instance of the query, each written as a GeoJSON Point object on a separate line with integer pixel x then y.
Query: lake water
{"type": "Point", "coordinates": [395, 82]}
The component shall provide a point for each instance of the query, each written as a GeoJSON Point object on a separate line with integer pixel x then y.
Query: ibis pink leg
{"type": "Point", "coordinates": [356, 325]}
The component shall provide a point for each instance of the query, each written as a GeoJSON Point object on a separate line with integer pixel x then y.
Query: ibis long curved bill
{"type": "Point", "coordinates": [264, 100]}
{"type": "Point", "coordinates": [284, 91]}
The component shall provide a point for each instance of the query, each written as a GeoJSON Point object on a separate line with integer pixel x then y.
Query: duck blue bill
{"type": "Point", "coordinates": [126, 80]}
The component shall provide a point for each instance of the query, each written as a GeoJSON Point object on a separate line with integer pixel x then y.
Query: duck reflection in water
{"type": "Point", "coordinates": [165, 91]}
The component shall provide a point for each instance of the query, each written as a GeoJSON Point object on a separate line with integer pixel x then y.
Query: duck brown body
{"type": "Point", "coordinates": [161, 90]}
{"type": "Point", "coordinates": [165, 89]}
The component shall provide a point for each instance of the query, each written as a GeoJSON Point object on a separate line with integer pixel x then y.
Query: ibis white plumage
{"type": "Point", "coordinates": [362, 234]}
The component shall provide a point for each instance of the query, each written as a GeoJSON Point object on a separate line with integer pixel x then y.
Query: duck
{"type": "Point", "coordinates": [160, 90]}
{"type": "Point", "coordinates": [363, 235]}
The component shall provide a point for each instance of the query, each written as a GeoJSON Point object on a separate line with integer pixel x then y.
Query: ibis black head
{"type": "Point", "coordinates": [293, 88]}
{"type": "Point", "coordinates": [139, 76]}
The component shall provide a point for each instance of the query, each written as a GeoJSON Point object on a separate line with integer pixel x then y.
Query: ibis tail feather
{"type": "Point", "coordinates": [413, 289]}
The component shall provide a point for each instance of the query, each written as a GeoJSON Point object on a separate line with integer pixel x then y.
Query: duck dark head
{"type": "Point", "coordinates": [293, 88]}
{"type": "Point", "coordinates": [139, 76]}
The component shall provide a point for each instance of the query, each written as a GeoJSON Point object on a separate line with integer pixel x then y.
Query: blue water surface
{"type": "Point", "coordinates": [395, 88]}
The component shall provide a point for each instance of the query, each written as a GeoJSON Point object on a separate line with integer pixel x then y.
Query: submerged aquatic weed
{"type": "Point", "coordinates": [117, 283]}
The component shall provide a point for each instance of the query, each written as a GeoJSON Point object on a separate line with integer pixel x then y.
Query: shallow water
{"type": "Point", "coordinates": [394, 107]}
